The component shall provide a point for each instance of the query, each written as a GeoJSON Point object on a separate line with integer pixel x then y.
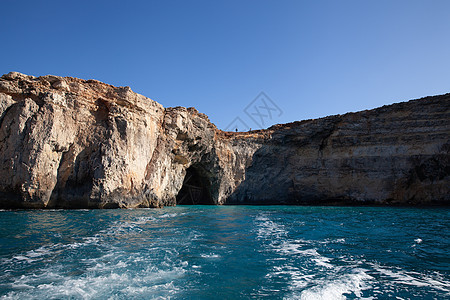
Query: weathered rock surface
{"type": "Point", "coordinates": [72, 143]}
{"type": "Point", "coordinates": [397, 154]}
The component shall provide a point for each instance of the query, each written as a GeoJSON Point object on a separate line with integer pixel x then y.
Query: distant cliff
{"type": "Point", "coordinates": [72, 143]}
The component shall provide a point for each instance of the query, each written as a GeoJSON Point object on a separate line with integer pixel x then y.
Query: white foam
{"type": "Point", "coordinates": [210, 255]}
{"type": "Point", "coordinates": [195, 235]}
{"type": "Point", "coordinates": [144, 220]}
{"type": "Point", "coordinates": [271, 229]}
{"type": "Point", "coordinates": [21, 257]}
{"type": "Point", "coordinates": [300, 276]}
{"type": "Point", "coordinates": [415, 279]}
{"type": "Point", "coordinates": [336, 289]}
{"type": "Point", "coordinates": [123, 228]}
{"type": "Point", "coordinates": [85, 242]}
{"type": "Point", "coordinates": [107, 279]}
{"type": "Point", "coordinates": [45, 251]}
{"type": "Point", "coordinates": [295, 248]}
{"type": "Point", "coordinates": [36, 254]}
{"type": "Point", "coordinates": [129, 274]}
{"type": "Point", "coordinates": [262, 217]}
{"type": "Point", "coordinates": [322, 261]}
{"type": "Point", "coordinates": [172, 215]}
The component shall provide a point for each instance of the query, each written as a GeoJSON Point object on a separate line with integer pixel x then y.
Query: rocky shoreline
{"type": "Point", "coordinates": [73, 143]}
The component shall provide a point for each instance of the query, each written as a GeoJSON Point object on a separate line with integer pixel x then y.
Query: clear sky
{"type": "Point", "coordinates": [311, 58]}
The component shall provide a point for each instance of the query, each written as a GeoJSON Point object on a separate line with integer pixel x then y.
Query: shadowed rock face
{"type": "Point", "coordinates": [397, 154]}
{"type": "Point", "coordinates": [72, 143]}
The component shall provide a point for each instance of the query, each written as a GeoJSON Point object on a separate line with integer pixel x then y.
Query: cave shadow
{"type": "Point", "coordinates": [196, 188]}
{"type": "Point", "coordinates": [74, 182]}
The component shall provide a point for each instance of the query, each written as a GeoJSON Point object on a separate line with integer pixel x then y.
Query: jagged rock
{"type": "Point", "coordinates": [72, 143]}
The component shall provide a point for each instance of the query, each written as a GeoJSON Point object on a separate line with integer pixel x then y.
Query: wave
{"type": "Point", "coordinates": [116, 273]}
{"type": "Point", "coordinates": [116, 284]}
{"type": "Point", "coordinates": [46, 251]}
{"type": "Point", "coordinates": [210, 255]}
{"type": "Point", "coordinates": [311, 274]}
{"type": "Point", "coordinates": [352, 283]}
{"type": "Point", "coordinates": [157, 254]}
{"type": "Point", "coordinates": [397, 276]}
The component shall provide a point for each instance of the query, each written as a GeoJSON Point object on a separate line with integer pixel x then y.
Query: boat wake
{"type": "Point", "coordinates": [309, 274]}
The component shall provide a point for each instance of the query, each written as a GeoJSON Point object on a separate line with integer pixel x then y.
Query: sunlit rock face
{"type": "Point", "coordinates": [72, 143]}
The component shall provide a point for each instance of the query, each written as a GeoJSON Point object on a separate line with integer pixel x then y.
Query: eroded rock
{"type": "Point", "coordinates": [72, 143]}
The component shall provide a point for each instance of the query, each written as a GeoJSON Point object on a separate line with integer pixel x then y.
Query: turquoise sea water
{"type": "Point", "coordinates": [226, 252]}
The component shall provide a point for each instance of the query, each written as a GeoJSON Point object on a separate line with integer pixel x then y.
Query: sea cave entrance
{"type": "Point", "coordinates": [195, 189]}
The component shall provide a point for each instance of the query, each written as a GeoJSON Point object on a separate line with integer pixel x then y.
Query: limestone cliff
{"type": "Point", "coordinates": [72, 143]}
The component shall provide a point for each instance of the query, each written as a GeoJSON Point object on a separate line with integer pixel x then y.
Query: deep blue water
{"type": "Point", "coordinates": [226, 252]}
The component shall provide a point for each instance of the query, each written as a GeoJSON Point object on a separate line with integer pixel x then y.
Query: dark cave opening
{"type": "Point", "coordinates": [195, 189]}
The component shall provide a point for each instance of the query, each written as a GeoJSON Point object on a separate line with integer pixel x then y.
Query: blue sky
{"type": "Point", "coordinates": [312, 58]}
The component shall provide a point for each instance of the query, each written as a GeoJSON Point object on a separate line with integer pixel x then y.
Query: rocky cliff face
{"type": "Point", "coordinates": [397, 154]}
{"type": "Point", "coordinates": [71, 143]}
